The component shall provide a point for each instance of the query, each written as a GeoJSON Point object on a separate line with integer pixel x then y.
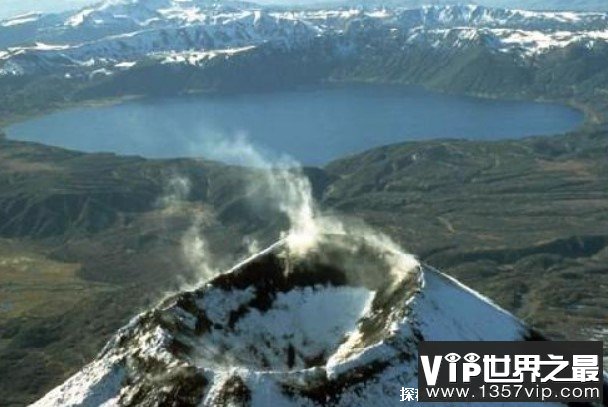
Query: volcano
{"type": "Point", "coordinates": [337, 325]}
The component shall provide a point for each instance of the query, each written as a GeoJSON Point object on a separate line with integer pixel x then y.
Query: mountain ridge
{"type": "Point", "coordinates": [116, 34]}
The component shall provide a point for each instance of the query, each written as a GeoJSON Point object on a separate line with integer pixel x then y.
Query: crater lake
{"type": "Point", "coordinates": [312, 126]}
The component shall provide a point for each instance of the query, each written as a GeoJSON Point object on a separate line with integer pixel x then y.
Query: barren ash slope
{"type": "Point", "coordinates": [334, 321]}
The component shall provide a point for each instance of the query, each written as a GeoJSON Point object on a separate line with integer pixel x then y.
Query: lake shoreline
{"type": "Point", "coordinates": [592, 116]}
{"type": "Point", "coordinates": [324, 122]}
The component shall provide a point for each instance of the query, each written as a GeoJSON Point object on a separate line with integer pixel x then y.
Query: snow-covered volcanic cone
{"type": "Point", "coordinates": [338, 325]}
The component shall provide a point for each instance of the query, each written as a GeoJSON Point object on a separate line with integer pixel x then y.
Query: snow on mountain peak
{"type": "Point", "coordinates": [118, 31]}
{"type": "Point", "coordinates": [289, 329]}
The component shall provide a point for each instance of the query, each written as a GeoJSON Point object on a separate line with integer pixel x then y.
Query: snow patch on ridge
{"type": "Point", "coordinates": [21, 19]}
{"type": "Point", "coordinates": [79, 18]}
{"type": "Point", "coordinates": [447, 310]}
{"type": "Point", "coordinates": [197, 57]}
{"type": "Point", "coordinates": [98, 384]}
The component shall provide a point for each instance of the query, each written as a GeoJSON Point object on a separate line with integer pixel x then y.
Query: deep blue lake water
{"type": "Point", "coordinates": [313, 126]}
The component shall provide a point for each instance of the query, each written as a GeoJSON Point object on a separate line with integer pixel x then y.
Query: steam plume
{"type": "Point", "coordinates": [285, 185]}
{"type": "Point", "coordinates": [195, 249]}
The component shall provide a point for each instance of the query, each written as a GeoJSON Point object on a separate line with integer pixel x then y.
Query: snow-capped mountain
{"type": "Point", "coordinates": [117, 34]}
{"type": "Point", "coordinates": [337, 325]}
